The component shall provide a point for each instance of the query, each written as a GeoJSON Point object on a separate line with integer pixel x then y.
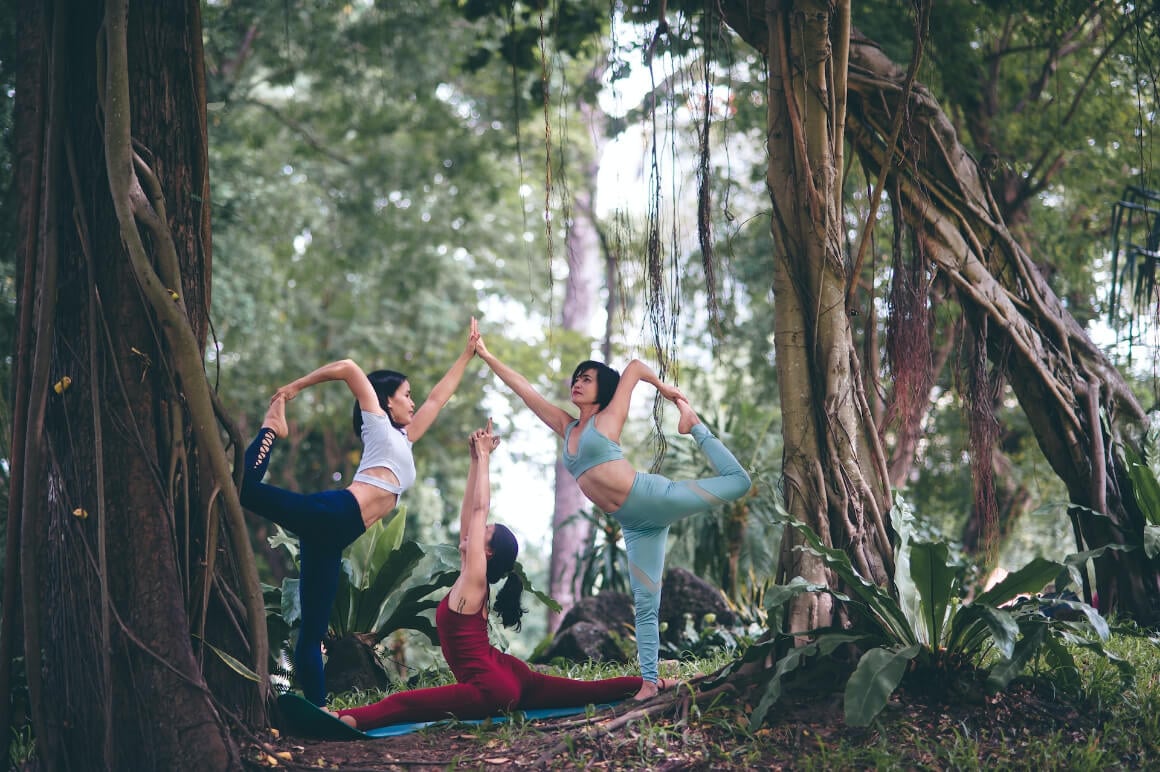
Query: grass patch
{"type": "Point", "coordinates": [1085, 719]}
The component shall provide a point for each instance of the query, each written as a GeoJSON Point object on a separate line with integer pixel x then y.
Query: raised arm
{"type": "Point", "coordinates": [555, 417]}
{"type": "Point", "coordinates": [444, 389]}
{"type": "Point", "coordinates": [342, 370]}
{"type": "Point", "coordinates": [613, 416]}
{"type": "Point", "coordinates": [469, 592]}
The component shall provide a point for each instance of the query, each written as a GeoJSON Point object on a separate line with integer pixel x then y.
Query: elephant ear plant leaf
{"type": "Point", "coordinates": [386, 584]}
{"type": "Point", "coordinates": [921, 633]}
{"type": "Point", "coordinates": [383, 586]}
{"type": "Point", "coordinates": [1146, 488]}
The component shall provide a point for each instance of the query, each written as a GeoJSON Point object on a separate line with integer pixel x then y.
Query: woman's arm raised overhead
{"type": "Point", "coordinates": [555, 417]}
{"type": "Point", "coordinates": [613, 416]}
{"type": "Point", "coordinates": [444, 389]}
{"type": "Point", "coordinates": [342, 370]}
{"type": "Point", "coordinates": [469, 592]}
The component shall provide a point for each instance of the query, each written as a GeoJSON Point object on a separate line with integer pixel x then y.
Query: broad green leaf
{"type": "Point", "coordinates": [878, 601]}
{"type": "Point", "coordinates": [291, 607]}
{"type": "Point", "coordinates": [1060, 661]}
{"type": "Point", "coordinates": [1098, 624]}
{"type": "Point", "coordinates": [1025, 650]}
{"type": "Point", "coordinates": [1144, 485]}
{"type": "Point", "coordinates": [793, 659]}
{"type": "Point", "coordinates": [780, 594]}
{"type": "Point", "coordinates": [1126, 668]}
{"type": "Point", "coordinates": [935, 582]}
{"type": "Point", "coordinates": [368, 552]}
{"type": "Point", "coordinates": [1151, 540]}
{"type": "Point", "coordinates": [877, 676]}
{"type": "Point", "coordinates": [1031, 578]}
{"type": "Point", "coordinates": [394, 524]}
{"type": "Point", "coordinates": [909, 599]}
{"type": "Point", "coordinates": [390, 577]}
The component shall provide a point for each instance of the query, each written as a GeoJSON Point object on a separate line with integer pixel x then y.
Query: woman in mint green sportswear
{"type": "Point", "coordinates": [644, 504]}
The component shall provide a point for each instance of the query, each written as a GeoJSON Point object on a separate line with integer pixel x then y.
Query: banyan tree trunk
{"type": "Point", "coordinates": [1078, 404]}
{"type": "Point", "coordinates": [129, 574]}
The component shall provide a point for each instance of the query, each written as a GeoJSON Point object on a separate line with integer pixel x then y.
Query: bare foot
{"type": "Point", "coordinates": [688, 418]}
{"type": "Point", "coordinates": [348, 720]}
{"type": "Point", "coordinates": [276, 417]}
{"type": "Point", "coordinates": [648, 689]}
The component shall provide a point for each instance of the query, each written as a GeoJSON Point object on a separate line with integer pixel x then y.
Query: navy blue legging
{"type": "Point", "coordinates": [325, 523]}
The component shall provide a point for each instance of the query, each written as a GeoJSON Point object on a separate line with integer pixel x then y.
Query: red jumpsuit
{"type": "Point", "coordinates": [490, 682]}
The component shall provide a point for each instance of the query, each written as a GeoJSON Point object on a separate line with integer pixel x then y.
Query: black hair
{"type": "Point", "coordinates": [504, 549]}
{"type": "Point", "coordinates": [606, 380]}
{"type": "Point", "coordinates": [386, 383]}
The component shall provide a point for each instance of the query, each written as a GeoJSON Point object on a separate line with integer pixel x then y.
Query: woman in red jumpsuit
{"type": "Point", "coordinates": [489, 681]}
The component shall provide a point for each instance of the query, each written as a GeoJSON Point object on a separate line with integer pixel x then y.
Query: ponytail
{"type": "Point", "coordinates": [507, 602]}
{"type": "Point", "coordinates": [504, 549]}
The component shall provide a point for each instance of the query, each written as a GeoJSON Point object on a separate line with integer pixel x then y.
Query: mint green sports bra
{"type": "Point", "coordinates": [592, 449]}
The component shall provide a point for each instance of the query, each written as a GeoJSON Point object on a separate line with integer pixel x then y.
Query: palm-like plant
{"type": "Point", "coordinates": [923, 631]}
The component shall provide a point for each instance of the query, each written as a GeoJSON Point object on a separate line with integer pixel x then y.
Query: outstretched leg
{"type": "Point", "coordinates": [732, 481]}
{"type": "Point", "coordinates": [545, 691]}
{"type": "Point", "coordinates": [488, 694]}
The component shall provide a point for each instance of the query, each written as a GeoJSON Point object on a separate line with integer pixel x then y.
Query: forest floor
{"type": "Point", "coordinates": [1006, 731]}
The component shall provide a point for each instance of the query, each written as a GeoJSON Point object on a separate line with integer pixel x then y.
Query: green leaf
{"type": "Point", "coordinates": [1098, 624]}
{"type": "Point", "coordinates": [1031, 578]}
{"type": "Point", "coordinates": [935, 582]}
{"type": "Point", "coordinates": [232, 662]}
{"type": "Point", "coordinates": [1025, 650]}
{"type": "Point", "coordinates": [1151, 540]}
{"type": "Point", "coordinates": [291, 607]}
{"type": "Point", "coordinates": [877, 676]}
{"type": "Point", "coordinates": [1144, 486]}
{"type": "Point", "coordinates": [884, 609]}
{"type": "Point", "coordinates": [780, 594]}
{"type": "Point", "coordinates": [367, 553]}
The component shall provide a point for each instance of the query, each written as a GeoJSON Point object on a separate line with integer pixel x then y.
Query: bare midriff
{"type": "Point", "coordinates": [375, 503]}
{"type": "Point", "coordinates": [607, 485]}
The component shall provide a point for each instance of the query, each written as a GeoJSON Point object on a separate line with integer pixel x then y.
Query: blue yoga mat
{"type": "Point", "coordinates": [305, 718]}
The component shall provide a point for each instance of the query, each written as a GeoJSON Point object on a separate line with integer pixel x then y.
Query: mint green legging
{"type": "Point", "coordinates": [654, 503]}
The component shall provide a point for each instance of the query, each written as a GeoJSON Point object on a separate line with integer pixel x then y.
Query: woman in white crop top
{"type": "Point", "coordinates": [325, 523]}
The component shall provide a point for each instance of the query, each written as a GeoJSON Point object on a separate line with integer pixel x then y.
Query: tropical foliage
{"type": "Point", "coordinates": [927, 637]}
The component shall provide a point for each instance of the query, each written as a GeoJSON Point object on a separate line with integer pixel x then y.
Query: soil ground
{"type": "Point", "coordinates": [913, 732]}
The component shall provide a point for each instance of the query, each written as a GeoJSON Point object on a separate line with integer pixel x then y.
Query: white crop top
{"type": "Point", "coordinates": [388, 447]}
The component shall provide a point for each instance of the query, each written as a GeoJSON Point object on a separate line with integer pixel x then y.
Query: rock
{"type": "Point", "coordinates": [584, 641]}
{"type": "Point", "coordinates": [683, 592]}
{"type": "Point", "coordinates": [351, 664]}
{"type": "Point", "coordinates": [612, 610]}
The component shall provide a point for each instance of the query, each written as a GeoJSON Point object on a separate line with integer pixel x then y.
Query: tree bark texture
{"type": "Point", "coordinates": [834, 468]}
{"type": "Point", "coordinates": [1078, 404]}
{"type": "Point", "coordinates": [134, 570]}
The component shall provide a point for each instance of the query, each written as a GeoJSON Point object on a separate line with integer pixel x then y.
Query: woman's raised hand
{"type": "Point", "coordinates": [480, 348]}
{"type": "Point", "coordinates": [483, 441]}
{"type": "Point", "coordinates": [472, 337]}
{"type": "Point", "coordinates": [287, 392]}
